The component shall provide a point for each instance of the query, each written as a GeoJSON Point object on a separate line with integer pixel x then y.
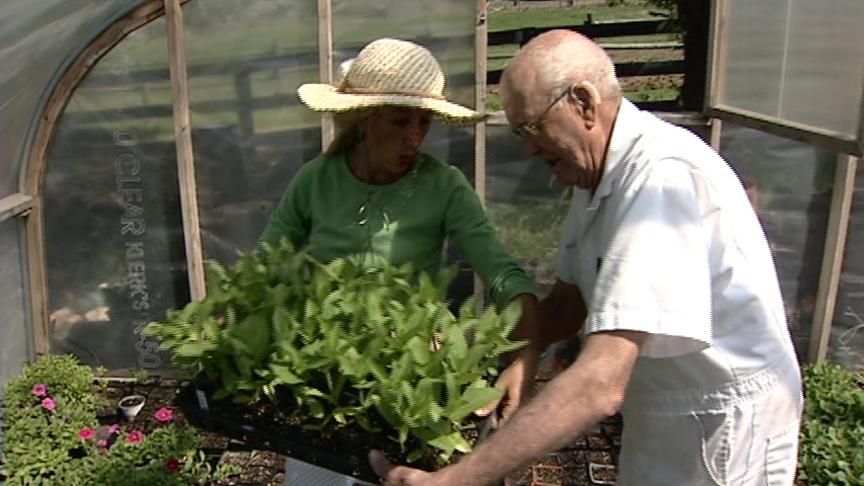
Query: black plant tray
{"type": "Point", "coordinates": [349, 457]}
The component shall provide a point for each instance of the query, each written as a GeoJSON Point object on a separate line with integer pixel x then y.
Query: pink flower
{"type": "Point", "coordinates": [39, 390]}
{"type": "Point", "coordinates": [164, 414]}
{"type": "Point", "coordinates": [49, 403]}
{"type": "Point", "coordinates": [114, 429]}
{"type": "Point", "coordinates": [172, 465]}
{"type": "Point", "coordinates": [102, 443]}
{"type": "Point", "coordinates": [135, 437]}
{"type": "Point", "coordinates": [87, 433]}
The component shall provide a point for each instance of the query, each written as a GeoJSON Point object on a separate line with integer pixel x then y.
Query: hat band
{"type": "Point", "coordinates": [372, 91]}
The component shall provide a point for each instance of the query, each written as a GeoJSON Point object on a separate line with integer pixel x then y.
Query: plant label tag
{"type": "Point", "coordinates": [202, 400]}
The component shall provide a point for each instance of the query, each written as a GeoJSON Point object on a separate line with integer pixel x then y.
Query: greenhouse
{"type": "Point", "coordinates": [142, 139]}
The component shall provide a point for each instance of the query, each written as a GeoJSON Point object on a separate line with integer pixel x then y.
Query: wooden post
{"type": "Point", "coordinates": [716, 54]}
{"type": "Point", "coordinates": [832, 257]}
{"type": "Point", "coordinates": [35, 244]}
{"type": "Point", "coordinates": [716, 132]}
{"type": "Point", "coordinates": [480, 53]}
{"type": "Point", "coordinates": [325, 63]}
{"type": "Point", "coordinates": [183, 142]}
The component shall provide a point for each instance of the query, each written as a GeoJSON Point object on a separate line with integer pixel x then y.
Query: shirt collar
{"type": "Point", "coordinates": [625, 132]}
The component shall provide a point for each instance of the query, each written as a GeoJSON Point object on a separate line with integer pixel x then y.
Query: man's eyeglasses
{"type": "Point", "coordinates": [532, 128]}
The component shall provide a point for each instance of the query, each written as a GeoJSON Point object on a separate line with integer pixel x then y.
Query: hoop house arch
{"type": "Point", "coordinates": [98, 201]}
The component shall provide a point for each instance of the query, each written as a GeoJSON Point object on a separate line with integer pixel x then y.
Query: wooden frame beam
{"type": "Point", "coordinates": [716, 133]}
{"type": "Point", "coordinates": [14, 205]}
{"type": "Point", "coordinates": [33, 173]}
{"type": "Point", "coordinates": [325, 64]}
{"type": "Point", "coordinates": [716, 53]}
{"type": "Point", "coordinates": [827, 139]}
{"type": "Point", "coordinates": [183, 142]}
{"type": "Point", "coordinates": [832, 257]}
{"type": "Point", "coordinates": [480, 65]}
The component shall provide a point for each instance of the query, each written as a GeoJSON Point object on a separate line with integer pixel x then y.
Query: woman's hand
{"type": "Point", "coordinates": [516, 384]}
{"type": "Point", "coordinates": [517, 381]}
{"type": "Point", "coordinates": [394, 475]}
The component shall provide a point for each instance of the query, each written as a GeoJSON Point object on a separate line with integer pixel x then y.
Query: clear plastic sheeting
{"type": "Point", "coordinates": [113, 227]}
{"type": "Point", "coordinates": [16, 345]}
{"type": "Point", "coordinates": [790, 186]}
{"type": "Point", "coordinates": [846, 345]}
{"type": "Point", "coordinates": [249, 131]}
{"type": "Point", "coordinates": [778, 53]}
{"type": "Point", "coordinates": [37, 40]}
{"type": "Point", "coordinates": [526, 205]}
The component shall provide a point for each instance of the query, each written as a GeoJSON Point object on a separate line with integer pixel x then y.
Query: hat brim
{"type": "Point", "coordinates": [324, 97]}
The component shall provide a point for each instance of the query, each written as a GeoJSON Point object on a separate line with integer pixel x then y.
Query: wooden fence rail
{"type": "Point", "coordinates": [592, 29]}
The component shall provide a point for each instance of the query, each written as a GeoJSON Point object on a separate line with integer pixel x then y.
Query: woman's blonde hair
{"type": "Point", "coordinates": [348, 130]}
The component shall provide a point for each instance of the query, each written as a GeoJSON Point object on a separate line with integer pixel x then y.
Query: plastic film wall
{"type": "Point", "coordinates": [789, 184]}
{"type": "Point", "coordinates": [114, 236]}
{"type": "Point", "coordinates": [15, 339]}
{"type": "Point", "coordinates": [776, 54]}
{"type": "Point", "coordinates": [47, 30]}
{"type": "Point", "coordinates": [249, 131]}
{"type": "Point", "coordinates": [526, 204]}
{"type": "Point", "coordinates": [113, 233]}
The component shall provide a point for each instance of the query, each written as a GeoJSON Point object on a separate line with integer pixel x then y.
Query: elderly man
{"type": "Point", "coordinates": [665, 264]}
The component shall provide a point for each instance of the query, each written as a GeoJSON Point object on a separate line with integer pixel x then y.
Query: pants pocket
{"type": "Point", "coordinates": [715, 430]}
{"type": "Point", "coordinates": [781, 457]}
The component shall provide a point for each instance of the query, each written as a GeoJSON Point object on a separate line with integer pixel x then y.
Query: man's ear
{"type": "Point", "coordinates": [586, 94]}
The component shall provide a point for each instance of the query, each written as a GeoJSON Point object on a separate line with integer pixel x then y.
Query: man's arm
{"type": "Point", "coordinates": [591, 389]}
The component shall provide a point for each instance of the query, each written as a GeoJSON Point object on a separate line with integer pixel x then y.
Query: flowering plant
{"type": "Point", "coordinates": [52, 436]}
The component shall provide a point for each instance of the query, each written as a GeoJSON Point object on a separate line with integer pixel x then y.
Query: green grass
{"type": "Point", "coordinates": [555, 16]}
{"type": "Point", "coordinates": [627, 39]}
{"type": "Point", "coordinates": [660, 94]}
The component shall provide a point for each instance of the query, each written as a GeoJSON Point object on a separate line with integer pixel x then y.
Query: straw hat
{"type": "Point", "coordinates": [388, 72]}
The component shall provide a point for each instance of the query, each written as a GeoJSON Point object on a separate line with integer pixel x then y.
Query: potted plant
{"type": "Point", "coordinates": [53, 435]}
{"type": "Point", "coordinates": [323, 361]}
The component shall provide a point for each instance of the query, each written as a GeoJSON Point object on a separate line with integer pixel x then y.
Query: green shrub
{"type": "Point", "coordinates": [348, 344]}
{"type": "Point", "coordinates": [52, 436]}
{"type": "Point", "coordinates": [833, 432]}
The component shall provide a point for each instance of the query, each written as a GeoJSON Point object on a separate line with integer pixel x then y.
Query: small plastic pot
{"type": "Point", "coordinates": [130, 405]}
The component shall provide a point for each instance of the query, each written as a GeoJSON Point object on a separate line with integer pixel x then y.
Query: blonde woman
{"type": "Point", "coordinates": [376, 196]}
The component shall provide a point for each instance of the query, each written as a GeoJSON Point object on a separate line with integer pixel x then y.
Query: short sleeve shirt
{"type": "Point", "coordinates": [668, 244]}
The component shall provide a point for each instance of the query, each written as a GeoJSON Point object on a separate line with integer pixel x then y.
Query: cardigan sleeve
{"type": "Point", "coordinates": [293, 215]}
{"type": "Point", "coordinates": [467, 225]}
